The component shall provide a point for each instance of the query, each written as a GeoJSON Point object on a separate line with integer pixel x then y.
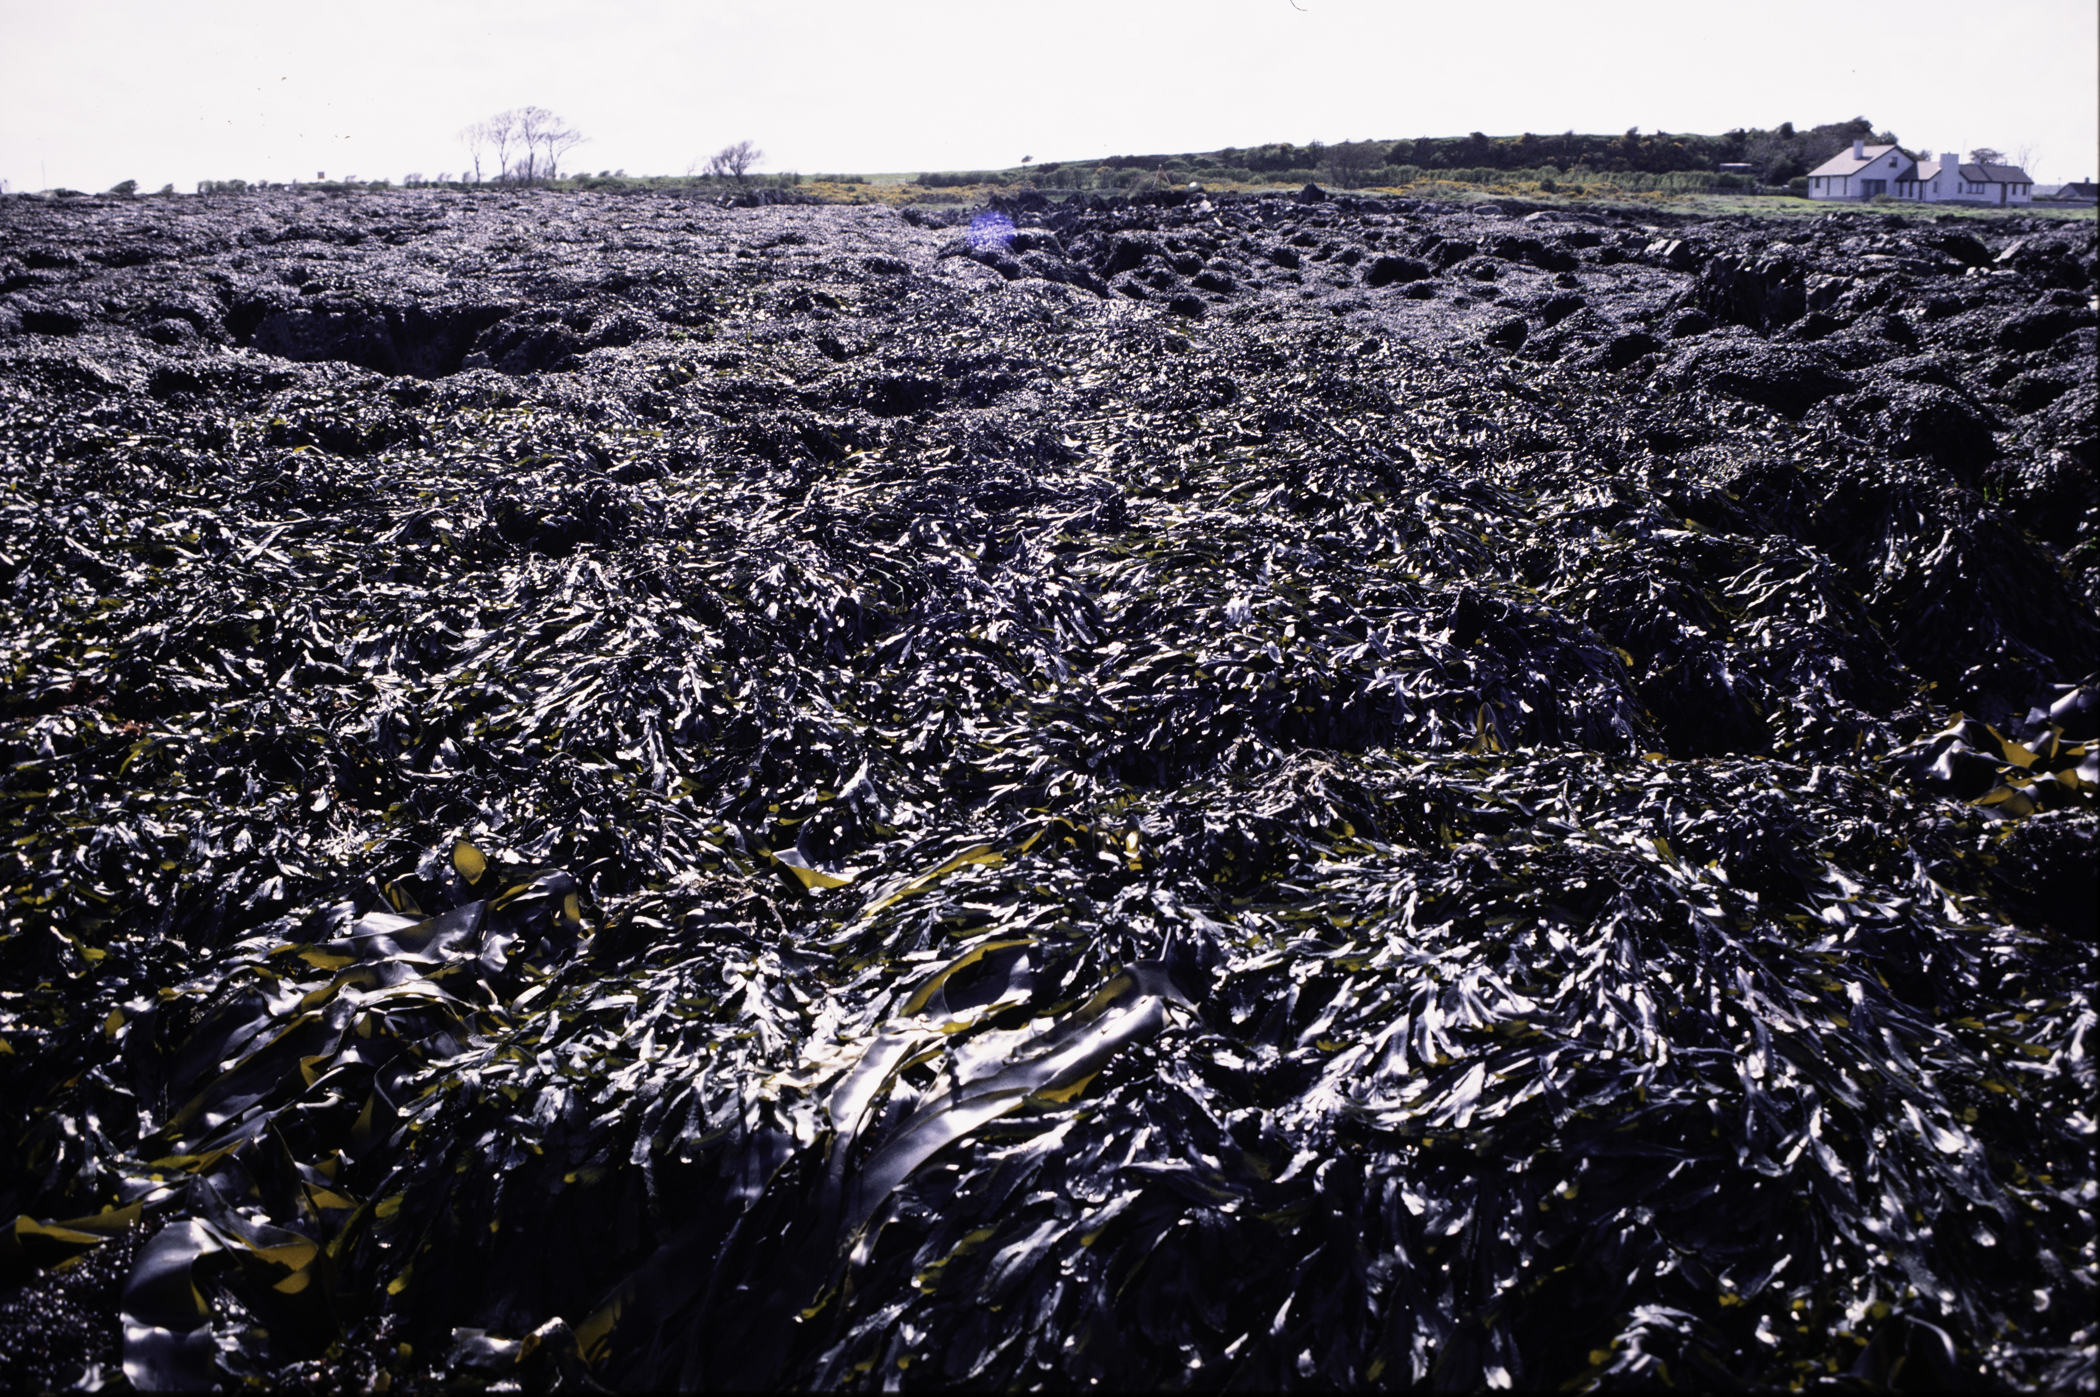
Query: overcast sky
{"type": "Point", "coordinates": [97, 91]}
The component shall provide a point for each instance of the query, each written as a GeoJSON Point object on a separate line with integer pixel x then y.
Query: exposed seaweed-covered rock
{"type": "Point", "coordinates": [1787, 379]}
{"type": "Point", "coordinates": [1311, 790]}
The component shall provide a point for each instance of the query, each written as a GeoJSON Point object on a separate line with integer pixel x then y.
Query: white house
{"type": "Point", "coordinates": [1949, 181]}
{"type": "Point", "coordinates": [1861, 174]}
{"type": "Point", "coordinates": [1867, 170]}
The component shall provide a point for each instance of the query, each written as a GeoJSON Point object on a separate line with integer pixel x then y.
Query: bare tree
{"type": "Point", "coordinates": [538, 136]}
{"type": "Point", "coordinates": [531, 125]}
{"type": "Point", "coordinates": [475, 137]}
{"type": "Point", "coordinates": [2024, 156]}
{"type": "Point", "coordinates": [558, 140]}
{"type": "Point", "coordinates": [735, 161]}
{"type": "Point", "coordinates": [502, 131]}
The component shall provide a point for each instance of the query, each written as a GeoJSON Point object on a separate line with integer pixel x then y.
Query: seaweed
{"type": "Point", "coordinates": [779, 798]}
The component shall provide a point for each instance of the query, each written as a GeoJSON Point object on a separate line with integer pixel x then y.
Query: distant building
{"type": "Point", "coordinates": [1860, 174]}
{"type": "Point", "coordinates": [1866, 171]}
{"type": "Point", "coordinates": [2081, 191]}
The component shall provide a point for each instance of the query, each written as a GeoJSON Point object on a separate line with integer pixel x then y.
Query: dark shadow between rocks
{"type": "Point", "coordinates": [417, 341]}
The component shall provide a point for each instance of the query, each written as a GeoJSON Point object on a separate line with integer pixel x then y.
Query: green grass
{"type": "Point", "coordinates": [900, 187]}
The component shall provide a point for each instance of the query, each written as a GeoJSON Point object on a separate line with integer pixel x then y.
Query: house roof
{"type": "Point", "coordinates": [1843, 164]}
{"type": "Point", "coordinates": [1995, 174]}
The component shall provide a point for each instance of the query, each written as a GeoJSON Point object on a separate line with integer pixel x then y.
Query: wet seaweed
{"type": "Point", "coordinates": [800, 801]}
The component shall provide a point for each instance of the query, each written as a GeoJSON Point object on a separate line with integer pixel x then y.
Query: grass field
{"type": "Point", "coordinates": [903, 187]}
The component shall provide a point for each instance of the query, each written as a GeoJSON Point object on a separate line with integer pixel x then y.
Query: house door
{"type": "Point", "coordinates": [1870, 187]}
{"type": "Point", "coordinates": [2001, 193]}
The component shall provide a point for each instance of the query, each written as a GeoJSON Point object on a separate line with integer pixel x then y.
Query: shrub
{"type": "Point", "coordinates": [950, 179]}
{"type": "Point", "coordinates": [1798, 185]}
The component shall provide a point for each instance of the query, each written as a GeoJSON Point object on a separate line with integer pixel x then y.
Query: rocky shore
{"type": "Point", "coordinates": [1269, 792]}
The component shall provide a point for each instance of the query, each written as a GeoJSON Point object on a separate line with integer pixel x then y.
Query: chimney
{"type": "Point", "coordinates": [1859, 150]}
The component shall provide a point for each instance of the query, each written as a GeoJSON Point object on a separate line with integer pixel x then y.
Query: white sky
{"type": "Point", "coordinates": [96, 91]}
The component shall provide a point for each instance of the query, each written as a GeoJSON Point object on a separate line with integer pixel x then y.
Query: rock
{"type": "Point", "coordinates": [49, 319]}
{"type": "Point", "coordinates": [533, 343]}
{"type": "Point", "coordinates": [1914, 420]}
{"type": "Point", "coordinates": [172, 332]}
{"type": "Point", "coordinates": [1188, 307]}
{"type": "Point", "coordinates": [1445, 253]}
{"type": "Point", "coordinates": [1312, 194]}
{"type": "Point", "coordinates": [1789, 380]}
{"type": "Point", "coordinates": [2035, 389]}
{"type": "Point", "coordinates": [427, 341]}
{"type": "Point", "coordinates": [1532, 252]}
{"type": "Point", "coordinates": [1626, 348]}
{"type": "Point", "coordinates": [2042, 326]}
{"type": "Point", "coordinates": [1675, 253]}
{"type": "Point", "coordinates": [204, 314]}
{"type": "Point", "coordinates": [1127, 252]}
{"type": "Point", "coordinates": [1765, 291]}
{"type": "Point", "coordinates": [1396, 271]}
{"type": "Point", "coordinates": [1508, 334]}
{"type": "Point", "coordinates": [1686, 324]}
{"type": "Point", "coordinates": [2053, 481]}
{"type": "Point", "coordinates": [1962, 247]}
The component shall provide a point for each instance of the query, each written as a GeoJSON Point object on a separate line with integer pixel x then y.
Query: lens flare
{"type": "Point", "coordinates": [990, 230]}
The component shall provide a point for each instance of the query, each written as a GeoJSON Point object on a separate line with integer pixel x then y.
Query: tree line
{"type": "Point", "coordinates": [1775, 155]}
{"type": "Point", "coordinates": [519, 145]}
{"type": "Point", "coordinates": [527, 143]}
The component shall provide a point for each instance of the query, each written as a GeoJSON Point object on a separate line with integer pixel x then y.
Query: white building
{"type": "Point", "coordinates": [1866, 170]}
{"type": "Point", "coordinates": [1861, 174]}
